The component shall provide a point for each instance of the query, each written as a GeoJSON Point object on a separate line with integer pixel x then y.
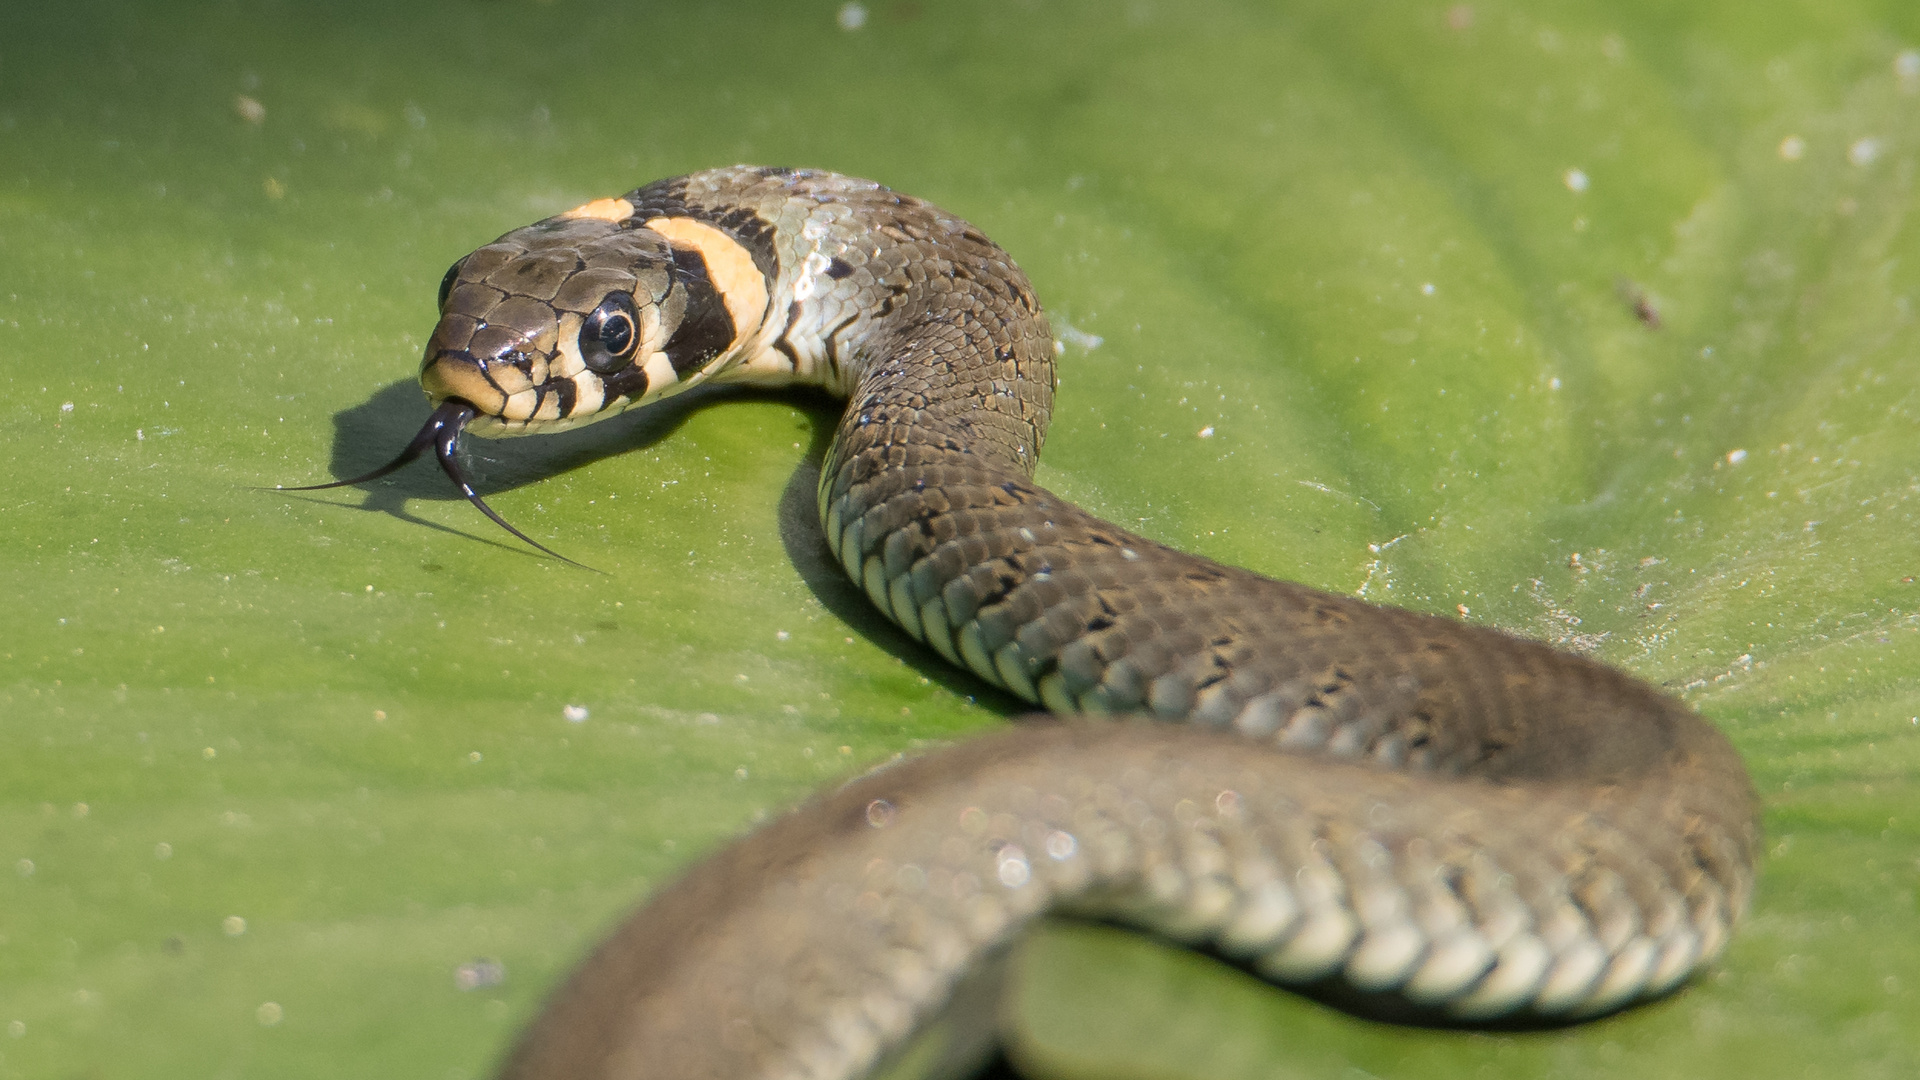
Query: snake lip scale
{"type": "Point", "coordinates": [1414, 817]}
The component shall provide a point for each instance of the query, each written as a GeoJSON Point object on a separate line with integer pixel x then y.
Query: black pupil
{"type": "Point", "coordinates": [609, 335]}
{"type": "Point", "coordinates": [617, 333]}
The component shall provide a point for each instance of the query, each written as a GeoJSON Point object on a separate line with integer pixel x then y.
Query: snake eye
{"type": "Point", "coordinates": [608, 338]}
{"type": "Point", "coordinates": [446, 284]}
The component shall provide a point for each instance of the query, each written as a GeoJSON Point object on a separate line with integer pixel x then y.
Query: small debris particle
{"type": "Point", "coordinates": [852, 16]}
{"type": "Point", "coordinates": [233, 926]}
{"type": "Point", "coordinates": [1079, 339]}
{"type": "Point", "coordinates": [575, 714]}
{"type": "Point", "coordinates": [269, 1013]}
{"type": "Point", "coordinates": [1576, 181]}
{"type": "Point", "coordinates": [1793, 148]}
{"type": "Point", "coordinates": [1642, 304]}
{"type": "Point", "coordinates": [249, 109]}
{"type": "Point", "coordinates": [479, 973]}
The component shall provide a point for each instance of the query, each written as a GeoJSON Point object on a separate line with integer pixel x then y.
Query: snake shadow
{"type": "Point", "coordinates": [367, 435]}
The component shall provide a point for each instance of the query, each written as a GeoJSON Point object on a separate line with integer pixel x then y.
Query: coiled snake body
{"type": "Point", "coordinates": [1415, 816]}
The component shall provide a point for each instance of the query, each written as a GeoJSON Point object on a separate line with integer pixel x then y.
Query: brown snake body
{"type": "Point", "coordinates": [1415, 816]}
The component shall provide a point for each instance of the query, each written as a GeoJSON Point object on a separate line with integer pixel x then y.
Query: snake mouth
{"type": "Point", "coordinates": [442, 433]}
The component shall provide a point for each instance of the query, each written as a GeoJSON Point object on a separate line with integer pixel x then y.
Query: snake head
{"type": "Point", "coordinates": [549, 326]}
{"type": "Point", "coordinates": [578, 317]}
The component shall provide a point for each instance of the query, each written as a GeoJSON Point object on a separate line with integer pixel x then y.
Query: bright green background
{"type": "Point", "coordinates": [346, 727]}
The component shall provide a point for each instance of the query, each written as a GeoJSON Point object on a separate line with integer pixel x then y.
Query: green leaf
{"type": "Point", "coordinates": [1590, 320]}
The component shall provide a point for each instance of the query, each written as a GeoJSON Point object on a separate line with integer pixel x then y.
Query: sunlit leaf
{"type": "Point", "coordinates": [1588, 320]}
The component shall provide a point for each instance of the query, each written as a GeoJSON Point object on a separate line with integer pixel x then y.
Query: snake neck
{"type": "Point", "coordinates": [877, 297]}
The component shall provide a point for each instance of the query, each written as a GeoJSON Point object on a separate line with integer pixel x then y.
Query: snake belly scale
{"type": "Point", "coordinates": [1410, 815]}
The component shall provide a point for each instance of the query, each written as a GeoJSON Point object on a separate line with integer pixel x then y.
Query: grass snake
{"type": "Point", "coordinates": [1414, 817]}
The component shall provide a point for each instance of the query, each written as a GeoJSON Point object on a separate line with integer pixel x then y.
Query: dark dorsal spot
{"type": "Point", "coordinates": [1327, 614]}
{"type": "Point", "coordinates": [755, 233]}
{"type": "Point", "coordinates": [839, 268]}
{"type": "Point", "coordinates": [706, 327]}
{"type": "Point", "coordinates": [833, 343]}
{"type": "Point", "coordinates": [782, 343]}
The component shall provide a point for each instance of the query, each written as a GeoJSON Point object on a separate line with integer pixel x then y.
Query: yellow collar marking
{"type": "Point", "coordinates": [604, 209]}
{"type": "Point", "coordinates": [729, 266]}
